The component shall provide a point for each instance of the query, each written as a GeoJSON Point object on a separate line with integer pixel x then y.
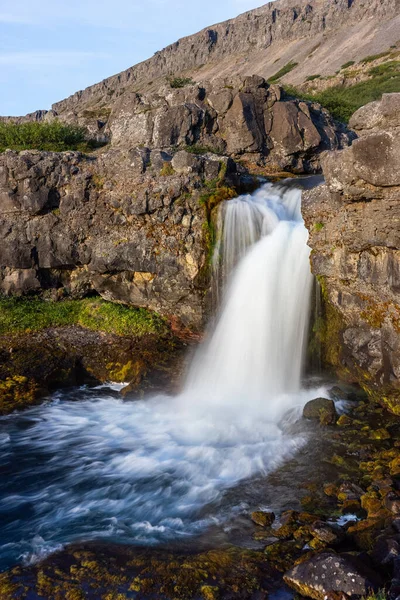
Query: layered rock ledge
{"type": "Point", "coordinates": [134, 223]}
{"type": "Point", "coordinates": [353, 222]}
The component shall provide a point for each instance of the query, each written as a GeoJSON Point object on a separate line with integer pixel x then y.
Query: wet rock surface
{"type": "Point", "coordinates": [353, 224]}
{"type": "Point", "coordinates": [321, 409]}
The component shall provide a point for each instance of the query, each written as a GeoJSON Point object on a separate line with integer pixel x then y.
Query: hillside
{"type": "Point", "coordinates": [320, 35]}
{"type": "Point", "coordinates": [291, 41]}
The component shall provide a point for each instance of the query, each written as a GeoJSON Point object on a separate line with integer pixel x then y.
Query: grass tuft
{"type": "Point", "coordinates": [286, 69]}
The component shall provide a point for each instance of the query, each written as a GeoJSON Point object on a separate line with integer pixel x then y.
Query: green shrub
{"type": "Point", "coordinates": [348, 64]}
{"type": "Point", "coordinates": [343, 101]}
{"type": "Point", "coordinates": [286, 69]}
{"type": "Point", "coordinates": [54, 136]}
{"type": "Point", "coordinates": [313, 77]}
{"type": "Point", "coordinates": [180, 82]}
{"type": "Point", "coordinates": [32, 314]}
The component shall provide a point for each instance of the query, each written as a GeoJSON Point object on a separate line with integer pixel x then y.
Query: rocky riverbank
{"type": "Point", "coordinates": [334, 530]}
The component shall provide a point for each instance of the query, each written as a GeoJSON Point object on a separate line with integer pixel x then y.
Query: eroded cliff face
{"type": "Point", "coordinates": [128, 225]}
{"type": "Point", "coordinates": [135, 223]}
{"type": "Point", "coordinates": [240, 117]}
{"type": "Point", "coordinates": [355, 237]}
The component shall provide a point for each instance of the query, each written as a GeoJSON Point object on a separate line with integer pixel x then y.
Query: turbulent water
{"type": "Point", "coordinates": [158, 470]}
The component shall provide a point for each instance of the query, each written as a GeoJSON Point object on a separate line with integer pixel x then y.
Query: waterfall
{"type": "Point", "coordinates": [256, 351]}
{"type": "Point", "coordinates": [159, 469]}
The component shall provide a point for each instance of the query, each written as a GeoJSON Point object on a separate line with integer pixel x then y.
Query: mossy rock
{"type": "Point", "coordinates": [263, 518]}
{"type": "Point", "coordinates": [321, 409]}
{"type": "Point", "coordinates": [17, 393]}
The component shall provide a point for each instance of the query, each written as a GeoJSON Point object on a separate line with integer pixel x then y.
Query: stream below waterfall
{"type": "Point", "coordinates": [86, 465]}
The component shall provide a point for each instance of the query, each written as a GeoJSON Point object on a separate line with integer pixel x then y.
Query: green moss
{"type": "Point", "coordinates": [284, 71]}
{"type": "Point", "coordinates": [33, 314]}
{"type": "Point", "coordinates": [16, 393]}
{"type": "Point", "coordinates": [313, 77]}
{"type": "Point", "coordinates": [319, 226]}
{"type": "Point", "coordinates": [54, 136]}
{"type": "Point", "coordinates": [328, 331]}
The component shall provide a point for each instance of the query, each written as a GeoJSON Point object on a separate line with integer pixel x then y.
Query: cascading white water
{"type": "Point", "coordinates": [255, 353]}
{"type": "Point", "coordinates": [159, 469]}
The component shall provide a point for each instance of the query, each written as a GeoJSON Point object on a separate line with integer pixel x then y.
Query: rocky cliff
{"type": "Point", "coordinates": [319, 36]}
{"type": "Point", "coordinates": [354, 233]}
{"type": "Point", "coordinates": [135, 223]}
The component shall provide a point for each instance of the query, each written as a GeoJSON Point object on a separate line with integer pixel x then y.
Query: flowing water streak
{"type": "Point", "coordinates": [158, 470]}
{"type": "Point", "coordinates": [257, 348]}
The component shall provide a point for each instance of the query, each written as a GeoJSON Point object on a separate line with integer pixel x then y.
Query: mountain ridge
{"type": "Point", "coordinates": [261, 41]}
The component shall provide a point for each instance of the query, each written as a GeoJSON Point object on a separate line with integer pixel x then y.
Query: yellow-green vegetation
{"type": "Point", "coordinates": [284, 71]}
{"type": "Point", "coordinates": [327, 331]}
{"type": "Point", "coordinates": [381, 595]}
{"type": "Point", "coordinates": [342, 101]}
{"type": "Point", "coordinates": [53, 136]}
{"type": "Point", "coordinates": [230, 572]}
{"type": "Point", "coordinates": [216, 191]}
{"type": "Point", "coordinates": [167, 169]}
{"type": "Point", "coordinates": [319, 226]}
{"type": "Point", "coordinates": [313, 77]}
{"type": "Point", "coordinates": [373, 57]}
{"type": "Point", "coordinates": [32, 314]}
{"type": "Point", "coordinates": [17, 392]}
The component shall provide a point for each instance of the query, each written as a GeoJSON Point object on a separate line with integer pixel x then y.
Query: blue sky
{"type": "Point", "coordinates": [53, 48]}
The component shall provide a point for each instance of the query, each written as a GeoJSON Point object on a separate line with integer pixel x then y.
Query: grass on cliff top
{"type": "Point", "coordinates": [53, 136]}
{"type": "Point", "coordinates": [284, 71]}
{"type": "Point", "coordinates": [342, 102]}
{"type": "Point", "coordinates": [19, 315]}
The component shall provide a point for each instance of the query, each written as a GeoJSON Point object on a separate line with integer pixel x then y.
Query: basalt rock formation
{"type": "Point", "coordinates": [128, 225]}
{"type": "Point", "coordinates": [354, 233]}
{"type": "Point", "coordinates": [242, 117]}
{"type": "Point", "coordinates": [135, 223]}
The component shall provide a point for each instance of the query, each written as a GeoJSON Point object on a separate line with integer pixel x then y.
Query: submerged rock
{"type": "Point", "coordinates": [322, 409]}
{"type": "Point", "coordinates": [329, 573]}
